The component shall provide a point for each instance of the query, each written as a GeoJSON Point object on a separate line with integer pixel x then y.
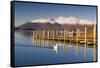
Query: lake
{"type": "Point", "coordinates": [30, 51]}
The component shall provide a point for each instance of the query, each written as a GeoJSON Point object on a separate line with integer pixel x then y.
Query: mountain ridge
{"type": "Point", "coordinates": [51, 26]}
{"type": "Point", "coordinates": [64, 20]}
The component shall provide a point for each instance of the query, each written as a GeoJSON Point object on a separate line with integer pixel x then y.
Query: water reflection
{"type": "Point", "coordinates": [94, 53]}
{"type": "Point", "coordinates": [77, 48]}
{"type": "Point", "coordinates": [39, 51]}
{"type": "Point", "coordinates": [55, 46]}
{"type": "Point", "coordinates": [85, 52]}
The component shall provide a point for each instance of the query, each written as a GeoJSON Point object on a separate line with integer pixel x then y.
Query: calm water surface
{"type": "Point", "coordinates": [29, 51]}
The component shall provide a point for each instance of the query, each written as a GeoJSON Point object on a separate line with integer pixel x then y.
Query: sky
{"type": "Point", "coordinates": [25, 12]}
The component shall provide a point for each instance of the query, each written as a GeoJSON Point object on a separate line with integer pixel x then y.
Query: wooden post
{"type": "Point", "coordinates": [64, 35]}
{"type": "Point", "coordinates": [53, 34]}
{"type": "Point", "coordinates": [77, 36]}
{"type": "Point", "coordinates": [43, 34]}
{"type": "Point", "coordinates": [33, 34]}
{"type": "Point", "coordinates": [58, 35]}
{"type": "Point", "coordinates": [36, 34]}
{"type": "Point", "coordinates": [47, 34]}
{"type": "Point", "coordinates": [94, 31]}
{"type": "Point", "coordinates": [50, 34]}
{"type": "Point", "coordinates": [85, 36]}
{"type": "Point", "coordinates": [72, 36]}
{"type": "Point", "coordinates": [39, 35]}
{"type": "Point", "coordinates": [61, 34]}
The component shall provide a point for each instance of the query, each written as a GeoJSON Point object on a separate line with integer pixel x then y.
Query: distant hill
{"type": "Point", "coordinates": [57, 24]}
{"type": "Point", "coordinates": [54, 26]}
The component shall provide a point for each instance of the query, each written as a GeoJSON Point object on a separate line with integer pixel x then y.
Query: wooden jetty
{"type": "Point", "coordinates": [73, 36]}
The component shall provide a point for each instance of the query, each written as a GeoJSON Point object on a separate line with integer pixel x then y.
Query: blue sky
{"type": "Point", "coordinates": [25, 12]}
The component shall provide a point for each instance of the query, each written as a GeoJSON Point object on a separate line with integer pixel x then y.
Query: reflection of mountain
{"type": "Point", "coordinates": [60, 23]}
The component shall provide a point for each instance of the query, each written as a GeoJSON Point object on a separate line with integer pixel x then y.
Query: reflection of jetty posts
{"type": "Point", "coordinates": [65, 35]}
{"type": "Point", "coordinates": [85, 36]}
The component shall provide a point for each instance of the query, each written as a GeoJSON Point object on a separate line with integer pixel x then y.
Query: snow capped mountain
{"type": "Point", "coordinates": [49, 20]}
{"type": "Point", "coordinates": [82, 21]}
{"type": "Point", "coordinates": [69, 20]}
{"type": "Point", "coordinates": [57, 24]}
{"type": "Point", "coordinates": [52, 21]}
{"type": "Point", "coordinates": [40, 20]}
{"type": "Point", "coordinates": [64, 20]}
